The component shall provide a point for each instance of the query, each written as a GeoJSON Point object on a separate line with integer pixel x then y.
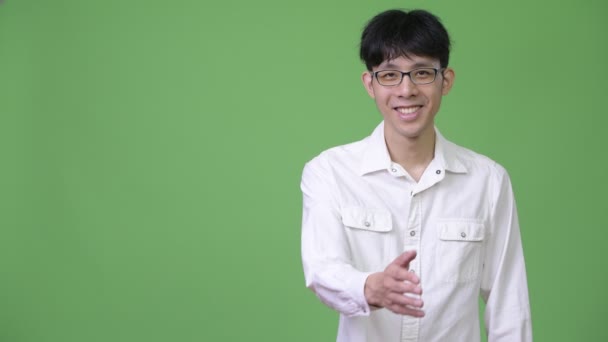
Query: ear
{"type": "Point", "coordinates": [448, 80]}
{"type": "Point", "coordinates": [367, 80]}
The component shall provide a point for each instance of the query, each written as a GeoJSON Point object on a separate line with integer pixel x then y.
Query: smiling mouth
{"type": "Point", "coordinates": [407, 110]}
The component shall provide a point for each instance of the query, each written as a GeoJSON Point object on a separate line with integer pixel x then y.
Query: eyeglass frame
{"type": "Point", "coordinates": [409, 75]}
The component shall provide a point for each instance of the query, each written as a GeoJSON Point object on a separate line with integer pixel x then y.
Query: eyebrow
{"type": "Point", "coordinates": [414, 66]}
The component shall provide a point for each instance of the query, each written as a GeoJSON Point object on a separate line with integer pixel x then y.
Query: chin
{"type": "Point", "coordinates": [413, 131]}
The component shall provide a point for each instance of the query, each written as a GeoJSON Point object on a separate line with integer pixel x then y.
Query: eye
{"type": "Point", "coordinates": [389, 75]}
{"type": "Point", "coordinates": [423, 73]}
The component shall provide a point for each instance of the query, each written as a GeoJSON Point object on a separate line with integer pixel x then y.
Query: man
{"type": "Point", "coordinates": [404, 230]}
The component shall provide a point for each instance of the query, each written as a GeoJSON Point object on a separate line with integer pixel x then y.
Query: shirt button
{"type": "Point", "coordinates": [412, 233]}
{"type": "Point", "coordinates": [463, 234]}
{"type": "Point", "coordinates": [393, 170]}
{"type": "Point", "coordinates": [367, 224]}
{"type": "Point", "coordinates": [413, 271]}
{"type": "Point", "coordinates": [438, 172]}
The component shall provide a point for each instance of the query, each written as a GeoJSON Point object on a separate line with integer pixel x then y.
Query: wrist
{"type": "Point", "coordinates": [369, 290]}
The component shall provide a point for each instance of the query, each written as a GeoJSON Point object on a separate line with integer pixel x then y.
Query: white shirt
{"type": "Point", "coordinates": [361, 211]}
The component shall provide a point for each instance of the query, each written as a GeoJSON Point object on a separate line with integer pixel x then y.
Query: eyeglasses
{"type": "Point", "coordinates": [417, 76]}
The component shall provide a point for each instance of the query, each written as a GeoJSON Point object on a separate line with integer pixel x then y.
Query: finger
{"type": "Point", "coordinates": [404, 259]}
{"type": "Point", "coordinates": [406, 311]}
{"type": "Point", "coordinates": [406, 287]}
{"type": "Point", "coordinates": [402, 274]}
{"type": "Point", "coordinates": [404, 300]}
{"type": "Point", "coordinates": [410, 284]}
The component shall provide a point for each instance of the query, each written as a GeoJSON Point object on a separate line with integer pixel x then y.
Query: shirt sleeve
{"type": "Point", "coordinates": [504, 284]}
{"type": "Point", "coordinates": [325, 252]}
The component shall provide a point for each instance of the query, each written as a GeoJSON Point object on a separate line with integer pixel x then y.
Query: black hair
{"type": "Point", "coordinates": [395, 33]}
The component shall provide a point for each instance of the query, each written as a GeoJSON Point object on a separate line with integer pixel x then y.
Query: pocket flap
{"type": "Point", "coordinates": [378, 220]}
{"type": "Point", "coordinates": [461, 231]}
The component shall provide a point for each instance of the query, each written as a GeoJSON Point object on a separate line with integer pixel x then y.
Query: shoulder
{"type": "Point", "coordinates": [345, 156]}
{"type": "Point", "coordinates": [322, 174]}
{"type": "Point", "coordinates": [476, 163]}
{"type": "Point", "coordinates": [485, 174]}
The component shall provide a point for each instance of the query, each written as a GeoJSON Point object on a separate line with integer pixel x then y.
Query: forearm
{"type": "Point", "coordinates": [339, 286]}
{"type": "Point", "coordinates": [504, 284]}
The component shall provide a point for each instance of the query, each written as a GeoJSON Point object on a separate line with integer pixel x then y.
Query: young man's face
{"type": "Point", "coordinates": [409, 109]}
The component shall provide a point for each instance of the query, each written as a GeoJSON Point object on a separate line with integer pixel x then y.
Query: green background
{"type": "Point", "coordinates": [152, 151]}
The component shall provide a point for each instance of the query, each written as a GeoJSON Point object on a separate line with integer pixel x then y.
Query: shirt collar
{"type": "Point", "coordinates": [376, 156]}
{"type": "Point", "coordinates": [447, 154]}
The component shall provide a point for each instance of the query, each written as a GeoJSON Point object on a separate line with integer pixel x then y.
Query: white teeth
{"type": "Point", "coordinates": [407, 110]}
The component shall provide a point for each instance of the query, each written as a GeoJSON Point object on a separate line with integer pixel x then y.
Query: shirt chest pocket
{"type": "Point", "coordinates": [459, 250]}
{"type": "Point", "coordinates": [369, 238]}
{"type": "Point", "coordinates": [370, 219]}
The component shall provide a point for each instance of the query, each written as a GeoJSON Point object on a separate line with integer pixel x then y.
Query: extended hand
{"type": "Point", "coordinates": [392, 288]}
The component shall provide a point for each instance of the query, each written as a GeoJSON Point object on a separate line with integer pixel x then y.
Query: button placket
{"type": "Point", "coordinates": [410, 326]}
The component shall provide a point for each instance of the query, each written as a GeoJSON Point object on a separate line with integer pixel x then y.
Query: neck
{"type": "Point", "coordinates": [413, 154]}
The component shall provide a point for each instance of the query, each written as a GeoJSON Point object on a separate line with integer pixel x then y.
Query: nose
{"type": "Point", "coordinates": [407, 88]}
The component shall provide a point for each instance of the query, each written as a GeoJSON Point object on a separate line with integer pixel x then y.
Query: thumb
{"type": "Point", "coordinates": [405, 258]}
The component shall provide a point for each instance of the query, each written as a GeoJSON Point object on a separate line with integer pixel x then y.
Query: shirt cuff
{"type": "Point", "coordinates": [358, 290]}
